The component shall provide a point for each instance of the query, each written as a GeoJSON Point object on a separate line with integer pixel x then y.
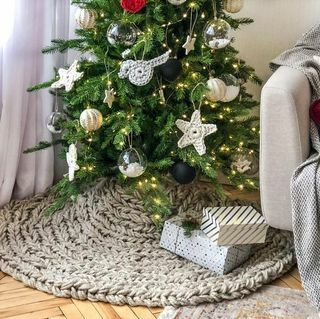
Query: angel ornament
{"type": "Point", "coordinates": [72, 161]}
{"type": "Point", "coordinates": [140, 72]}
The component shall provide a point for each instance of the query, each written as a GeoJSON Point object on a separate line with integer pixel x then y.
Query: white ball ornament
{"type": "Point", "coordinates": [232, 85]}
{"type": "Point", "coordinates": [91, 119]}
{"type": "Point", "coordinates": [177, 2]}
{"type": "Point", "coordinates": [233, 6]}
{"type": "Point", "coordinates": [216, 90]}
{"type": "Point", "coordinates": [85, 18]}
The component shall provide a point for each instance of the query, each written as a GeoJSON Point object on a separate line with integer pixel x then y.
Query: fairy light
{"type": "Point", "coordinates": [157, 201]}
{"type": "Point", "coordinates": [241, 187]}
{"type": "Point", "coordinates": [213, 105]}
{"type": "Point", "coordinates": [157, 217]}
{"type": "Point", "coordinates": [203, 15]}
{"type": "Point", "coordinates": [89, 139]}
{"type": "Point", "coordinates": [194, 75]}
{"type": "Point", "coordinates": [184, 15]}
{"type": "Point", "coordinates": [184, 116]}
{"type": "Point", "coordinates": [187, 64]}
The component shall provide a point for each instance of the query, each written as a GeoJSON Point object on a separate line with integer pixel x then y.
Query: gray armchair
{"type": "Point", "coordinates": [285, 103]}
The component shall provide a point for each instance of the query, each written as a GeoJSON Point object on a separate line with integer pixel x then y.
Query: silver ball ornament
{"type": "Point", "coordinates": [132, 162]}
{"type": "Point", "coordinates": [122, 34]}
{"type": "Point", "coordinates": [91, 119]}
{"type": "Point", "coordinates": [85, 18]}
{"type": "Point", "coordinates": [217, 34]}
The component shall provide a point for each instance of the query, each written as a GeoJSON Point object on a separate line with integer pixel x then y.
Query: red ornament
{"type": "Point", "coordinates": [315, 112]}
{"type": "Point", "coordinates": [133, 6]}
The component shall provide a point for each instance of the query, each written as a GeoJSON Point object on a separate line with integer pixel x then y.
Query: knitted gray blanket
{"type": "Point", "coordinates": [305, 182]}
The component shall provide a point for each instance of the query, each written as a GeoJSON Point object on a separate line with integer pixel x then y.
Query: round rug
{"type": "Point", "coordinates": [104, 247]}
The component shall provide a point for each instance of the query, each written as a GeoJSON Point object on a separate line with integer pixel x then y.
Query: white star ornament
{"type": "Point", "coordinates": [189, 45]}
{"type": "Point", "coordinates": [68, 77]}
{"type": "Point", "coordinates": [194, 132]}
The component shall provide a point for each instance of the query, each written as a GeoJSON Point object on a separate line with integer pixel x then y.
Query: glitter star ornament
{"type": "Point", "coordinates": [194, 132]}
{"type": "Point", "coordinates": [109, 97]}
{"type": "Point", "coordinates": [189, 45]}
{"type": "Point", "coordinates": [72, 161]}
{"type": "Point", "coordinates": [68, 77]}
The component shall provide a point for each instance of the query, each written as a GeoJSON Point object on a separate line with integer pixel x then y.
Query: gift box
{"type": "Point", "coordinates": [237, 225]}
{"type": "Point", "coordinates": [200, 249]}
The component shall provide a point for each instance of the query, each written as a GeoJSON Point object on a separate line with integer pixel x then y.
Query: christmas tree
{"type": "Point", "coordinates": [161, 100]}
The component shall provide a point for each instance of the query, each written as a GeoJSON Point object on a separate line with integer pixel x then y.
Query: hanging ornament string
{"type": "Point", "coordinates": [193, 23]}
{"type": "Point", "coordinates": [191, 39]}
{"type": "Point", "coordinates": [109, 93]}
{"type": "Point", "coordinates": [192, 96]}
{"type": "Point", "coordinates": [214, 9]}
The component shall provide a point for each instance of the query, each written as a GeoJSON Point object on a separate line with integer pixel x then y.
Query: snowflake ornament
{"type": "Point", "coordinates": [189, 44]}
{"type": "Point", "coordinates": [194, 132]}
{"type": "Point", "coordinates": [242, 164]}
{"type": "Point", "coordinates": [68, 77]}
{"type": "Point", "coordinates": [72, 161]}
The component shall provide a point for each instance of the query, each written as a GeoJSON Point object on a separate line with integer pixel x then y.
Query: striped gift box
{"type": "Point", "coordinates": [200, 249]}
{"type": "Point", "coordinates": [236, 225]}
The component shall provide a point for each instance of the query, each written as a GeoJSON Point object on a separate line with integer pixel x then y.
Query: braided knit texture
{"type": "Point", "coordinates": [104, 247]}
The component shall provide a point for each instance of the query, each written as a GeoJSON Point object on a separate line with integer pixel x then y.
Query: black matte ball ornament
{"type": "Point", "coordinates": [183, 173]}
{"type": "Point", "coordinates": [171, 70]}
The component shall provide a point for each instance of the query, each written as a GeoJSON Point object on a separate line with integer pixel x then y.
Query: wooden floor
{"type": "Point", "coordinates": [19, 302]}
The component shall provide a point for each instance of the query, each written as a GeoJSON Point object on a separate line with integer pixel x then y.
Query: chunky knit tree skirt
{"type": "Point", "coordinates": [104, 247]}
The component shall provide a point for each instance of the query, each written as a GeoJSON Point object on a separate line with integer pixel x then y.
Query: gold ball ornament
{"type": "Point", "coordinates": [233, 6]}
{"type": "Point", "coordinates": [217, 90]}
{"type": "Point", "coordinates": [85, 18]}
{"type": "Point", "coordinates": [91, 119]}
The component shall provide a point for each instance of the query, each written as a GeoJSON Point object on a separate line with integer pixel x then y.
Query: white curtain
{"type": "Point", "coordinates": [29, 27]}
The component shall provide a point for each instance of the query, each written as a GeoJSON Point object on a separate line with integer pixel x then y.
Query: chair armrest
{"type": "Point", "coordinates": [285, 122]}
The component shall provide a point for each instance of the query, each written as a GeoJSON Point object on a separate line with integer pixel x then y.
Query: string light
{"type": "Point", "coordinates": [241, 187]}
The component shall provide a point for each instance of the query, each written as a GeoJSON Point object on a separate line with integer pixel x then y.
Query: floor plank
{"type": "Point", "coordinates": [37, 306]}
{"type": "Point", "coordinates": [105, 310]}
{"type": "Point", "coordinates": [156, 310]}
{"type": "Point", "coordinates": [124, 312]}
{"type": "Point", "coordinates": [42, 314]}
{"type": "Point", "coordinates": [70, 311]}
{"type": "Point", "coordinates": [11, 286]}
{"type": "Point", "coordinates": [19, 293]}
{"type": "Point", "coordinates": [292, 282]}
{"type": "Point", "coordinates": [87, 310]}
{"type": "Point", "coordinates": [2, 275]}
{"type": "Point", "coordinates": [6, 279]}
{"type": "Point", "coordinates": [31, 298]}
{"type": "Point", "coordinates": [143, 312]}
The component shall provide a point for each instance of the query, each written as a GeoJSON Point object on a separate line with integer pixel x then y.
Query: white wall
{"type": "Point", "coordinates": [278, 24]}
